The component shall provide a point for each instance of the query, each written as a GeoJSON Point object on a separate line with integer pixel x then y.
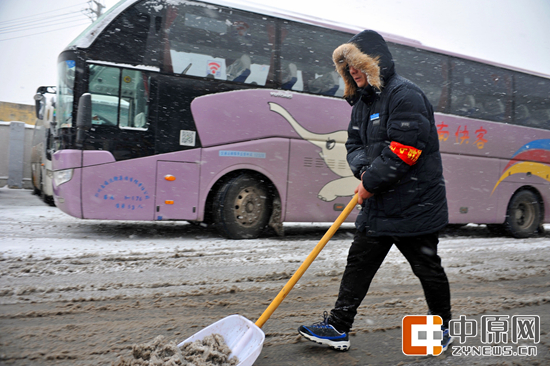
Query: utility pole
{"type": "Point", "coordinates": [94, 10]}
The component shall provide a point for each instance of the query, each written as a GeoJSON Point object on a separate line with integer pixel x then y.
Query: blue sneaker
{"type": "Point", "coordinates": [447, 339]}
{"type": "Point", "coordinates": [324, 333]}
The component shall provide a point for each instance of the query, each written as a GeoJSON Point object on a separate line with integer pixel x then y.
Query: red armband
{"type": "Point", "coordinates": [406, 153]}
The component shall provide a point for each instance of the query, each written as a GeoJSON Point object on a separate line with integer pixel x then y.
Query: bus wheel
{"type": "Point", "coordinates": [35, 189]}
{"type": "Point", "coordinates": [523, 218]}
{"type": "Point", "coordinates": [241, 207]}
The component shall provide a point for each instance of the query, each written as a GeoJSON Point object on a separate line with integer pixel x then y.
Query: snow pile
{"type": "Point", "coordinates": [211, 351]}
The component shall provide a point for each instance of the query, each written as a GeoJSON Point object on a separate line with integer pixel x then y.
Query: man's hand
{"type": "Point", "coordinates": [362, 193]}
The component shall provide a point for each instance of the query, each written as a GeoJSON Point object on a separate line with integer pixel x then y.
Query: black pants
{"type": "Point", "coordinates": [365, 258]}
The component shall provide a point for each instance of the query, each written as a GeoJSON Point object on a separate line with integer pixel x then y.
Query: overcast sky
{"type": "Point", "coordinates": [511, 32]}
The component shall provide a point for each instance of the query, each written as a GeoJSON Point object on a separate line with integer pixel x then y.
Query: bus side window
{"type": "Point", "coordinates": [130, 38]}
{"type": "Point", "coordinates": [239, 70]}
{"type": "Point", "coordinates": [305, 64]}
{"type": "Point", "coordinates": [522, 115]}
{"type": "Point", "coordinates": [532, 101]}
{"type": "Point", "coordinates": [465, 105]}
{"type": "Point", "coordinates": [490, 87]}
{"type": "Point", "coordinates": [223, 44]}
{"type": "Point", "coordinates": [495, 109]}
{"type": "Point", "coordinates": [104, 86]}
{"type": "Point", "coordinates": [427, 70]}
{"type": "Point", "coordinates": [119, 97]}
{"type": "Point", "coordinates": [544, 118]}
{"type": "Point", "coordinates": [326, 84]}
{"type": "Point", "coordinates": [134, 98]}
{"type": "Point", "coordinates": [290, 77]}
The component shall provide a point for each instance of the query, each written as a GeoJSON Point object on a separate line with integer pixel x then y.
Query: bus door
{"type": "Point", "coordinates": [117, 180]}
{"type": "Point", "coordinates": [177, 194]}
{"type": "Point", "coordinates": [120, 112]}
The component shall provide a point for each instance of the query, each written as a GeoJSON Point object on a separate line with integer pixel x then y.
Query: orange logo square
{"type": "Point", "coordinates": [422, 335]}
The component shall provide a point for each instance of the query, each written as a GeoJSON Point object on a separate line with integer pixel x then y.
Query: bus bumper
{"type": "Point", "coordinates": [67, 176]}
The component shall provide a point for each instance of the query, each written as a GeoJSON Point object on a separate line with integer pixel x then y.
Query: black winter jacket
{"type": "Point", "coordinates": [408, 199]}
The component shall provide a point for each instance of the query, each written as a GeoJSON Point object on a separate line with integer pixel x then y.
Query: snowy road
{"type": "Point", "coordinates": [83, 292]}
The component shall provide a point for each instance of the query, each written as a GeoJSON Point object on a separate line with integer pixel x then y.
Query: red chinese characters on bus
{"type": "Point", "coordinates": [442, 132]}
{"type": "Point", "coordinates": [462, 134]}
{"type": "Point", "coordinates": [480, 133]}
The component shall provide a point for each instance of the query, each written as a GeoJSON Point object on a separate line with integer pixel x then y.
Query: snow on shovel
{"type": "Point", "coordinates": [244, 338]}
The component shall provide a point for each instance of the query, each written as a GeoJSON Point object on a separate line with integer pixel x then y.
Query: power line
{"type": "Point", "coordinates": [38, 22]}
{"type": "Point", "coordinates": [49, 31]}
{"type": "Point", "coordinates": [44, 26]}
{"type": "Point", "coordinates": [41, 14]}
{"type": "Point", "coordinates": [47, 17]}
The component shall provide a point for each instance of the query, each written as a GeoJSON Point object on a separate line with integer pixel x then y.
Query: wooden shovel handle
{"type": "Point", "coordinates": [305, 265]}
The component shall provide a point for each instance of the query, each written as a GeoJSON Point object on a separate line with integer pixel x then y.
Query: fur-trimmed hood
{"type": "Point", "coordinates": [368, 52]}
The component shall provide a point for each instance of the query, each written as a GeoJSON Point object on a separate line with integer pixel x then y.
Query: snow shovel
{"type": "Point", "coordinates": [244, 338]}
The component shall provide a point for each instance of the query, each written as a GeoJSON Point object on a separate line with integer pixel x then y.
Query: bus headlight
{"type": "Point", "coordinates": [62, 176]}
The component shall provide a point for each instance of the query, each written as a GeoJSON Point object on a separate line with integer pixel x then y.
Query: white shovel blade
{"type": "Point", "coordinates": [243, 337]}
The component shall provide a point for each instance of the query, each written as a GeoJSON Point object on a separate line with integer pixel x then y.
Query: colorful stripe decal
{"type": "Point", "coordinates": [531, 158]}
{"type": "Point", "coordinates": [541, 156]}
{"type": "Point", "coordinates": [538, 169]}
{"type": "Point", "coordinates": [543, 144]}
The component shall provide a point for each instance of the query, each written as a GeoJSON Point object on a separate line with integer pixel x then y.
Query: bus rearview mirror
{"type": "Point", "coordinates": [38, 100]}
{"type": "Point", "coordinates": [83, 117]}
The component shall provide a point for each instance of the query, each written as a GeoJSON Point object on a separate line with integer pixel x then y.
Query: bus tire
{"type": "Point", "coordinates": [35, 189]}
{"type": "Point", "coordinates": [43, 196]}
{"type": "Point", "coordinates": [523, 217]}
{"type": "Point", "coordinates": [241, 207]}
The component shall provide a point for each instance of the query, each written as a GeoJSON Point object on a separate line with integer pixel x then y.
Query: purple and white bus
{"type": "Point", "coordinates": [232, 116]}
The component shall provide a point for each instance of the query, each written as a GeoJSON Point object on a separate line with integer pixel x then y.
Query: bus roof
{"type": "Point", "coordinates": [88, 36]}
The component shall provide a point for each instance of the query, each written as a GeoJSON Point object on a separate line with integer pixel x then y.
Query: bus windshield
{"type": "Point", "coordinates": [65, 93]}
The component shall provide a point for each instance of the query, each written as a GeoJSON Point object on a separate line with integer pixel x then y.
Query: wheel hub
{"type": "Point", "coordinates": [248, 206]}
{"type": "Point", "coordinates": [525, 215]}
